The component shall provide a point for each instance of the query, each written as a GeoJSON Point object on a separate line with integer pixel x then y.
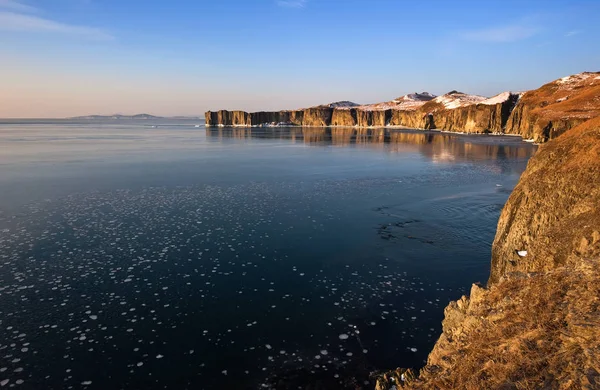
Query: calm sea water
{"type": "Point", "coordinates": [141, 257]}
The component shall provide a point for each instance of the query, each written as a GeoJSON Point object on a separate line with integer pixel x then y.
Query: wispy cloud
{"type": "Point", "coordinates": [510, 33]}
{"type": "Point", "coordinates": [572, 33]}
{"type": "Point", "coordinates": [13, 21]}
{"type": "Point", "coordinates": [17, 6]}
{"type": "Point", "coordinates": [292, 3]}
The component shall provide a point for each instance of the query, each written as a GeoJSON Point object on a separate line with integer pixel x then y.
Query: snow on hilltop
{"type": "Point", "coordinates": [414, 101]}
{"type": "Point", "coordinates": [455, 99]}
{"type": "Point", "coordinates": [500, 98]}
{"type": "Point", "coordinates": [578, 78]}
{"type": "Point", "coordinates": [343, 104]}
{"type": "Point", "coordinates": [408, 102]}
{"type": "Point", "coordinates": [416, 97]}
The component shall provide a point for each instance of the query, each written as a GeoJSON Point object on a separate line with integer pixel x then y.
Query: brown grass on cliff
{"type": "Point", "coordinates": [541, 332]}
{"type": "Point", "coordinates": [554, 211]}
{"type": "Point", "coordinates": [560, 100]}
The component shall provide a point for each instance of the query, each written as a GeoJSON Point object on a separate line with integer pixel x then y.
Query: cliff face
{"type": "Point", "coordinates": [538, 323]}
{"type": "Point", "coordinates": [554, 211]}
{"type": "Point", "coordinates": [472, 118]}
{"type": "Point", "coordinates": [541, 115]}
{"type": "Point", "coordinates": [341, 117]}
{"type": "Point", "coordinates": [556, 107]}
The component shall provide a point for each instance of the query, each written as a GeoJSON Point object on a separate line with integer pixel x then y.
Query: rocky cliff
{"type": "Point", "coordinates": [537, 325]}
{"type": "Point", "coordinates": [556, 107]}
{"type": "Point", "coordinates": [553, 215]}
{"type": "Point", "coordinates": [540, 115]}
{"type": "Point", "coordinates": [471, 118]}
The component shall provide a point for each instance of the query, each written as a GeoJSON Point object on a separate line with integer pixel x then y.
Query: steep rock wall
{"type": "Point", "coordinates": [478, 118]}
{"type": "Point", "coordinates": [474, 118]}
{"type": "Point", "coordinates": [318, 116]}
{"type": "Point", "coordinates": [554, 211]}
{"type": "Point", "coordinates": [556, 107]}
{"type": "Point", "coordinates": [344, 117]}
{"type": "Point", "coordinates": [373, 118]}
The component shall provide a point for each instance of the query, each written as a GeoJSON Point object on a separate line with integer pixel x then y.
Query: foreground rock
{"type": "Point", "coordinates": [538, 324]}
{"type": "Point", "coordinates": [525, 332]}
{"type": "Point", "coordinates": [553, 214]}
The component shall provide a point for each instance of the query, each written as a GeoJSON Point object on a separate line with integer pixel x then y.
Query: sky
{"type": "Point", "coordinates": [61, 58]}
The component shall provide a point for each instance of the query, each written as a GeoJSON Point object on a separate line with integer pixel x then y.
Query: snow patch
{"type": "Point", "coordinates": [458, 99]}
{"type": "Point", "coordinates": [408, 102]}
{"type": "Point", "coordinates": [500, 98]}
{"type": "Point", "coordinates": [343, 104]}
{"type": "Point", "coordinates": [577, 78]}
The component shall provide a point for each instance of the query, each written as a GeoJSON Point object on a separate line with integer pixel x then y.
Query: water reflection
{"type": "Point", "coordinates": [438, 146]}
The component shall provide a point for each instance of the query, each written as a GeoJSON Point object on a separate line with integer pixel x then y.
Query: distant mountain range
{"type": "Point", "coordinates": [133, 117]}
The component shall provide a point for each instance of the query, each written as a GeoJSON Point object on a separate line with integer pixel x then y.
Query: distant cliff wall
{"type": "Point", "coordinates": [474, 118]}
{"type": "Point", "coordinates": [479, 118]}
{"type": "Point", "coordinates": [540, 115]}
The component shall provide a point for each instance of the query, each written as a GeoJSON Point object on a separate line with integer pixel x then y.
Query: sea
{"type": "Point", "coordinates": [159, 254]}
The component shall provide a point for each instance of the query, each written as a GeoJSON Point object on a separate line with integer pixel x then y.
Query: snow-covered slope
{"type": "Point", "coordinates": [455, 99]}
{"type": "Point", "coordinates": [343, 104]}
{"type": "Point", "coordinates": [407, 102]}
{"type": "Point", "coordinates": [500, 98]}
{"type": "Point", "coordinates": [578, 78]}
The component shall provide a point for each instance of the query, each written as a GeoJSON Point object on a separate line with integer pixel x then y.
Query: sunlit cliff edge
{"type": "Point", "coordinates": [537, 324]}
{"type": "Point", "coordinates": [539, 115]}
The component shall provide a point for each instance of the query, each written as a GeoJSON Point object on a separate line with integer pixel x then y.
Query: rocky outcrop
{"type": "Point", "coordinates": [487, 116]}
{"type": "Point", "coordinates": [341, 117]}
{"type": "Point", "coordinates": [319, 116]}
{"type": "Point", "coordinates": [527, 332]}
{"type": "Point", "coordinates": [554, 212]}
{"type": "Point", "coordinates": [537, 325]}
{"type": "Point", "coordinates": [540, 115]}
{"type": "Point", "coordinates": [367, 118]}
{"type": "Point", "coordinates": [556, 107]}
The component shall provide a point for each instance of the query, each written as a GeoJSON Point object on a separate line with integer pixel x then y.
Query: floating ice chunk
{"type": "Point", "coordinates": [324, 352]}
{"type": "Point", "coordinates": [224, 372]}
{"type": "Point", "coordinates": [4, 382]}
{"type": "Point", "coordinates": [140, 364]}
{"type": "Point", "coordinates": [86, 383]}
{"type": "Point", "coordinates": [93, 317]}
{"type": "Point", "coordinates": [343, 336]}
{"type": "Point", "coordinates": [268, 346]}
{"type": "Point", "coordinates": [413, 350]}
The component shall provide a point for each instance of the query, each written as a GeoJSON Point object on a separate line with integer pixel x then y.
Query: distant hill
{"type": "Point", "coordinates": [118, 116]}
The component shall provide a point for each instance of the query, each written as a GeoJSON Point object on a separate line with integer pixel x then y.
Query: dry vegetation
{"type": "Point", "coordinates": [529, 332]}
{"type": "Point", "coordinates": [579, 99]}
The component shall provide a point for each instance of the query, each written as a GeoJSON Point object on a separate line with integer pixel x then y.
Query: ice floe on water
{"type": "Point", "coordinates": [199, 282]}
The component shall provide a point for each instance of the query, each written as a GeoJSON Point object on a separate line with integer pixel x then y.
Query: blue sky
{"type": "Point", "coordinates": [182, 57]}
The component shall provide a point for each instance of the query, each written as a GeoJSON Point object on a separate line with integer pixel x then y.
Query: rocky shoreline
{"type": "Point", "coordinates": [537, 323]}
{"type": "Point", "coordinates": [539, 115]}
